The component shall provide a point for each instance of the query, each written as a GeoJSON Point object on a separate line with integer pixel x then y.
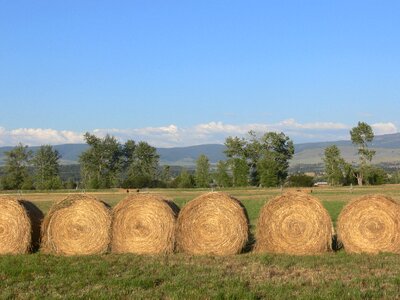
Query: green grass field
{"type": "Point", "coordinates": [178, 276]}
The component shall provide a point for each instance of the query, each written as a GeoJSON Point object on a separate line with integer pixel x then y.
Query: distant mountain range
{"type": "Point", "coordinates": [387, 151]}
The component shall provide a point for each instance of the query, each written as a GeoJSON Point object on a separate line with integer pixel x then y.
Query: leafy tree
{"type": "Point", "coordinates": [184, 180]}
{"type": "Point", "coordinates": [101, 163]}
{"type": "Point", "coordinates": [106, 162]}
{"type": "Point", "coordinates": [46, 168]}
{"type": "Point", "coordinates": [269, 154]}
{"type": "Point", "coordinates": [348, 173]}
{"type": "Point", "coordinates": [28, 183]}
{"type": "Point", "coordinates": [202, 173]}
{"type": "Point", "coordinates": [142, 164]}
{"type": "Point", "coordinates": [334, 165]}
{"type": "Point", "coordinates": [253, 152]}
{"type": "Point", "coordinates": [240, 172]}
{"type": "Point", "coordinates": [222, 177]}
{"type": "Point", "coordinates": [128, 152]}
{"type": "Point", "coordinates": [376, 175]}
{"type": "Point", "coordinates": [395, 178]}
{"type": "Point", "coordinates": [237, 160]}
{"type": "Point", "coordinates": [361, 135]}
{"type": "Point", "coordinates": [166, 174]}
{"type": "Point", "coordinates": [268, 169]}
{"type": "Point", "coordinates": [16, 168]}
{"type": "Point", "coordinates": [235, 147]}
{"type": "Point", "coordinates": [279, 148]}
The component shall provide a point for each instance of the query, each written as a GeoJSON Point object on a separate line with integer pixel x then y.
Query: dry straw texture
{"type": "Point", "coordinates": [19, 226]}
{"type": "Point", "coordinates": [144, 224]}
{"type": "Point", "coordinates": [77, 225]}
{"type": "Point", "coordinates": [370, 224]}
{"type": "Point", "coordinates": [294, 223]}
{"type": "Point", "coordinates": [213, 223]}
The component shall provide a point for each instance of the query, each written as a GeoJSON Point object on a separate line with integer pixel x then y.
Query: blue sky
{"type": "Point", "coordinates": [191, 72]}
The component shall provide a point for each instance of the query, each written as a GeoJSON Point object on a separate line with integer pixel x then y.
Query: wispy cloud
{"type": "Point", "coordinates": [172, 135]}
{"type": "Point", "coordinates": [291, 123]}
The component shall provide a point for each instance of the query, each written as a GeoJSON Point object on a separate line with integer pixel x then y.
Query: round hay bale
{"type": "Point", "coordinates": [19, 226]}
{"type": "Point", "coordinates": [144, 224]}
{"type": "Point", "coordinates": [294, 223]}
{"type": "Point", "coordinates": [77, 225]}
{"type": "Point", "coordinates": [370, 224]}
{"type": "Point", "coordinates": [213, 223]}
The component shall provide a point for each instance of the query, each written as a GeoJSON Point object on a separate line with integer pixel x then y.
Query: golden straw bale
{"type": "Point", "coordinates": [144, 224]}
{"type": "Point", "coordinates": [294, 223]}
{"type": "Point", "coordinates": [19, 226]}
{"type": "Point", "coordinates": [370, 224]}
{"type": "Point", "coordinates": [213, 223]}
{"type": "Point", "coordinates": [77, 225]}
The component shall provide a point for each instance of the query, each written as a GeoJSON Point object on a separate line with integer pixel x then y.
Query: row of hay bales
{"type": "Point", "coordinates": [213, 223]}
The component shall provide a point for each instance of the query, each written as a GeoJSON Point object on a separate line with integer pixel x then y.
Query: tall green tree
{"type": "Point", "coordinates": [202, 173]}
{"type": "Point", "coordinates": [128, 152]}
{"type": "Point", "coordinates": [361, 135]}
{"type": "Point", "coordinates": [166, 174]}
{"type": "Point", "coordinates": [269, 154]}
{"type": "Point", "coordinates": [101, 162]}
{"type": "Point", "coordinates": [279, 148]}
{"type": "Point", "coordinates": [237, 160]}
{"type": "Point", "coordinates": [235, 147]}
{"type": "Point", "coordinates": [46, 168]}
{"type": "Point", "coordinates": [253, 152]}
{"type": "Point", "coordinates": [268, 170]}
{"type": "Point", "coordinates": [185, 180]}
{"type": "Point", "coordinates": [334, 165]}
{"type": "Point", "coordinates": [240, 172]}
{"type": "Point", "coordinates": [16, 168]}
{"type": "Point", "coordinates": [222, 177]}
{"type": "Point", "coordinates": [142, 164]}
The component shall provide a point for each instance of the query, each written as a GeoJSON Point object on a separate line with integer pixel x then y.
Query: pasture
{"type": "Point", "coordinates": [180, 276]}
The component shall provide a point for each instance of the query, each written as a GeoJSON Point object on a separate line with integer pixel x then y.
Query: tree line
{"type": "Point", "coordinates": [105, 164]}
{"type": "Point", "coordinates": [19, 161]}
{"type": "Point", "coordinates": [253, 160]}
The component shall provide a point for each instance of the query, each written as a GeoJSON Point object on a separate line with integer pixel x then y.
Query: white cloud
{"type": "Point", "coordinates": [384, 128]}
{"type": "Point", "coordinates": [38, 136]}
{"type": "Point", "coordinates": [163, 136]}
{"type": "Point", "coordinates": [172, 135]}
{"type": "Point", "coordinates": [217, 127]}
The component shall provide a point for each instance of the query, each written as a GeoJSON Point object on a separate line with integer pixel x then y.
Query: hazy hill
{"type": "Point", "coordinates": [186, 156]}
{"type": "Point", "coordinates": [386, 146]}
{"type": "Point", "coordinates": [387, 150]}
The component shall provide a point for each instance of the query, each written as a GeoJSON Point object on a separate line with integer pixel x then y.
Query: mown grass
{"type": "Point", "coordinates": [335, 275]}
{"type": "Point", "coordinates": [178, 276]}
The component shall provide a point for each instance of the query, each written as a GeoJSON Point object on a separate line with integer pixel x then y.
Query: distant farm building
{"type": "Point", "coordinates": [321, 183]}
